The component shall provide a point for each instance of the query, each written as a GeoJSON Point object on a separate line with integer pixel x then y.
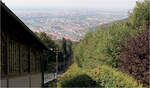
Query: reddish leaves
{"type": "Point", "coordinates": [135, 59]}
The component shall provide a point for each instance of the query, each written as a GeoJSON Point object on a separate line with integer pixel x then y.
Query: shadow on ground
{"type": "Point", "coordinates": [80, 81]}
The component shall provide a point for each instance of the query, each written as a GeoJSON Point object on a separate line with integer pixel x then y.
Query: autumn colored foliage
{"type": "Point", "coordinates": [135, 59]}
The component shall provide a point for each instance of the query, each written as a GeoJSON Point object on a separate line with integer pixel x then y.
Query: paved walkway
{"type": "Point", "coordinates": [24, 81]}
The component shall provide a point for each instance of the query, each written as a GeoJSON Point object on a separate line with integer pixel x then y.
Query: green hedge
{"type": "Point", "coordinates": [109, 77]}
{"type": "Point", "coordinates": [103, 76]}
{"type": "Point", "coordinates": [73, 77]}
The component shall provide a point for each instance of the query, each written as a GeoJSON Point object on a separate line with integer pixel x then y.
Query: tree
{"type": "Point", "coordinates": [51, 56]}
{"type": "Point", "coordinates": [140, 14]}
{"type": "Point", "coordinates": [64, 50]}
{"type": "Point", "coordinates": [46, 39]}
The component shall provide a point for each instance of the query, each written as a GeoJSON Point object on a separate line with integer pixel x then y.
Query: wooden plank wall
{"type": "Point", "coordinates": [3, 55]}
{"type": "Point", "coordinates": [18, 58]}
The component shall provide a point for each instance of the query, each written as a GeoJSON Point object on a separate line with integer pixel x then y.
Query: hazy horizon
{"type": "Point", "coordinates": [71, 4]}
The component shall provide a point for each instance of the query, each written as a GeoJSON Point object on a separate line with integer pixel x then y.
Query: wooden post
{"type": "Point", "coordinates": [29, 71]}
{"type": "Point", "coordinates": [19, 59]}
{"type": "Point", "coordinates": [7, 61]}
{"type": "Point", "coordinates": [42, 67]}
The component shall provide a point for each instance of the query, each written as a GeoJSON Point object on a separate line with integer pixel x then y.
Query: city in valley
{"type": "Point", "coordinates": [68, 23]}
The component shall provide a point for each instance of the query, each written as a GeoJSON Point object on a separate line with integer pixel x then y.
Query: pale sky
{"type": "Point", "coordinates": [104, 4]}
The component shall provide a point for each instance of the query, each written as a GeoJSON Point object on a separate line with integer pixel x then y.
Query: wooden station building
{"type": "Point", "coordinates": [21, 52]}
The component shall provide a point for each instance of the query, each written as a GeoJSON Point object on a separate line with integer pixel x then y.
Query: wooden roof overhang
{"type": "Point", "coordinates": [11, 24]}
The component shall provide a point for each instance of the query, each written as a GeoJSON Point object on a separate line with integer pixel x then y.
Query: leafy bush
{"type": "Point", "coordinates": [72, 72]}
{"type": "Point", "coordinates": [82, 80]}
{"type": "Point", "coordinates": [103, 76]}
{"type": "Point", "coordinates": [109, 77]}
{"type": "Point", "coordinates": [135, 58]}
{"type": "Point", "coordinates": [75, 77]}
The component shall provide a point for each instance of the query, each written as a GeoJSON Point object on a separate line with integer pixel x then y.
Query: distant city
{"type": "Point", "coordinates": [68, 23]}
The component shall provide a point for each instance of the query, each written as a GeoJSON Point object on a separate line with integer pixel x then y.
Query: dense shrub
{"type": "Point", "coordinates": [82, 80]}
{"type": "Point", "coordinates": [72, 72]}
{"type": "Point", "coordinates": [103, 76]}
{"type": "Point", "coordinates": [110, 77]}
{"type": "Point", "coordinates": [75, 77]}
{"type": "Point", "coordinates": [135, 58]}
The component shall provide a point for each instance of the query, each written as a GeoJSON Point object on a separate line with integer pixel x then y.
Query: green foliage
{"type": "Point", "coordinates": [102, 47]}
{"type": "Point", "coordinates": [46, 39]}
{"type": "Point", "coordinates": [75, 77]}
{"type": "Point", "coordinates": [103, 76]}
{"type": "Point", "coordinates": [64, 44]}
{"type": "Point", "coordinates": [98, 53]}
{"type": "Point", "coordinates": [109, 77]}
{"type": "Point", "coordinates": [72, 72]}
{"type": "Point", "coordinates": [65, 47]}
{"type": "Point", "coordinates": [50, 57]}
{"type": "Point", "coordinates": [82, 80]}
{"type": "Point", "coordinates": [140, 14]}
